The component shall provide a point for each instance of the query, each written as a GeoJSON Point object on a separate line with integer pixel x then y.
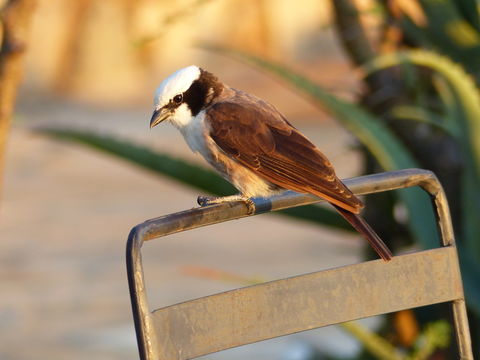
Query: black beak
{"type": "Point", "coordinates": [158, 116]}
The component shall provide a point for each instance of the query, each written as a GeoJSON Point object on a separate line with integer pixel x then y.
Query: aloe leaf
{"type": "Point", "coordinates": [373, 343]}
{"type": "Point", "coordinates": [423, 115]}
{"type": "Point", "coordinates": [451, 111]}
{"type": "Point", "coordinates": [449, 31]}
{"type": "Point", "coordinates": [469, 10]}
{"type": "Point", "coordinates": [461, 83]}
{"type": "Point", "coordinates": [374, 135]}
{"type": "Point", "coordinates": [182, 171]}
{"type": "Point", "coordinates": [467, 108]}
{"type": "Point", "coordinates": [185, 172]}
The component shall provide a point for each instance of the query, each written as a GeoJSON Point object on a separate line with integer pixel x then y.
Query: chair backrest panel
{"type": "Point", "coordinates": [286, 306]}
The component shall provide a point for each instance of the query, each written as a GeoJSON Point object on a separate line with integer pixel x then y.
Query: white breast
{"type": "Point", "coordinates": [194, 133]}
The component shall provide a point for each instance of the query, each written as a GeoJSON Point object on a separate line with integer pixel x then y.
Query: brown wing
{"type": "Point", "coordinates": [260, 138]}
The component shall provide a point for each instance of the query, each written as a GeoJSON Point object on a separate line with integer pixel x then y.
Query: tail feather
{"type": "Point", "coordinates": [368, 233]}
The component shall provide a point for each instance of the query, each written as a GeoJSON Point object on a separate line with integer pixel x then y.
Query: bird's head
{"type": "Point", "coordinates": [182, 95]}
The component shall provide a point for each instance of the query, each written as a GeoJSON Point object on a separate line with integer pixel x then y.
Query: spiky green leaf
{"type": "Point", "coordinates": [184, 172]}
{"type": "Point", "coordinates": [466, 107]}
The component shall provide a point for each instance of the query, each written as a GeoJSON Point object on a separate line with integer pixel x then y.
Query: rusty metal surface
{"type": "Point", "coordinates": [160, 337]}
{"type": "Point", "coordinates": [305, 302]}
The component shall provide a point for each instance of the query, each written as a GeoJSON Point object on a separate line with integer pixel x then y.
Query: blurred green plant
{"type": "Point", "coordinates": [182, 171]}
{"type": "Point", "coordinates": [436, 335]}
{"type": "Point", "coordinates": [460, 119]}
{"type": "Point", "coordinates": [430, 100]}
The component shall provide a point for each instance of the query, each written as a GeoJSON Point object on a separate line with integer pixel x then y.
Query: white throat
{"type": "Point", "coordinates": [193, 129]}
{"type": "Point", "coordinates": [182, 117]}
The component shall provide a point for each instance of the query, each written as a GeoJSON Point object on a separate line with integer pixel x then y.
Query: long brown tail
{"type": "Point", "coordinates": [368, 233]}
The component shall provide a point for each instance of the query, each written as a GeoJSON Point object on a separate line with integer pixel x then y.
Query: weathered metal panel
{"type": "Point", "coordinates": [281, 307]}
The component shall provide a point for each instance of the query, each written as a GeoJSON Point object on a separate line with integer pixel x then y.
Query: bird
{"type": "Point", "coordinates": [252, 145]}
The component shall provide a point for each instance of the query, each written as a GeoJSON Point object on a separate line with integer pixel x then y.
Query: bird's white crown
{"type": "Point", "coordinates": [176, 83]}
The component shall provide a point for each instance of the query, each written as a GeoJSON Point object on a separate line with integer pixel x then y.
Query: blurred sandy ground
{"type": "Point", "coordinates": [67, 210]}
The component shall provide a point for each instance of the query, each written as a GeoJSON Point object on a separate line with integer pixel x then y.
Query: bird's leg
{"type": "Point", "coordinates": [210, 200]}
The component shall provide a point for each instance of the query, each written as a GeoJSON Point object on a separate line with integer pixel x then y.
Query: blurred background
{"type": "Point", "coordinates": [381, 85]}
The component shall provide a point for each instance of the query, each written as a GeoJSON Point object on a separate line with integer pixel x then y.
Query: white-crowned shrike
{"type": "Point", "coordinates": [252, 145]}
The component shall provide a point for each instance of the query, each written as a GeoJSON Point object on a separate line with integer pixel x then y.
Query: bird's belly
{"type": "Point", "coordinates": [244, 179]}
{"type": "Point", "coordinates": [250, 184]}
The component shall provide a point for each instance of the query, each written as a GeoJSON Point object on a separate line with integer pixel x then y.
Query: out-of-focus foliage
{"type": "Point", "coordinates": [183, 171]}
{"type": "Point", "coordinates": [459, 118]}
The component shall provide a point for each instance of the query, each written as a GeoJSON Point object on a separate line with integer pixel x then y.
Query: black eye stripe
{"type": "Point", "coordinates": [199, 93]}
{"type": "Point", "coordinates": [194, 97]}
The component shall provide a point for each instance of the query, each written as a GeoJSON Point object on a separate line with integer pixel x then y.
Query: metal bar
{"type": "Point", "coordinates": [208, 215]}
{"type": "Point", "coordinates": [287, 306]}
{"type": "Point", "coordinates": [198, 217]}
{"type": "Point", "coordinates": [447, 238]}
{"type": "Point", "coordinates": [146, 336]}
{"type": "Point", "coordinates": [462, 330]}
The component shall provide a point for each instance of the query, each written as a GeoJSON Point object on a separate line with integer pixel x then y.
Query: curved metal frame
{"type": "Point", "coordinates": [202, 216]}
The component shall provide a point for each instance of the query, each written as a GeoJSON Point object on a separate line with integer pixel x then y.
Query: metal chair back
{"type": "Point", "coordinates": [242, 316]}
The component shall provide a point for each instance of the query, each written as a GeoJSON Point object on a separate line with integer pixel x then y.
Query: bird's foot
{"type": "Point", "coordinates": [206, 200]}
{"type": "Point", "coordinates": [211, 200]}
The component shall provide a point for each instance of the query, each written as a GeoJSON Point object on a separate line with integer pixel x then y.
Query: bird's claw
{"type": "Point", "coordinates": [211, 200]}
{"type": "Point", "coordinates": [250, 206]}
{"type": "Point", "coordinates": [205, 200]}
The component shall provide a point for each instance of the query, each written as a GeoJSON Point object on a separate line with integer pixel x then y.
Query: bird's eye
{"type": "Point", "coordinates": [178, 98]}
